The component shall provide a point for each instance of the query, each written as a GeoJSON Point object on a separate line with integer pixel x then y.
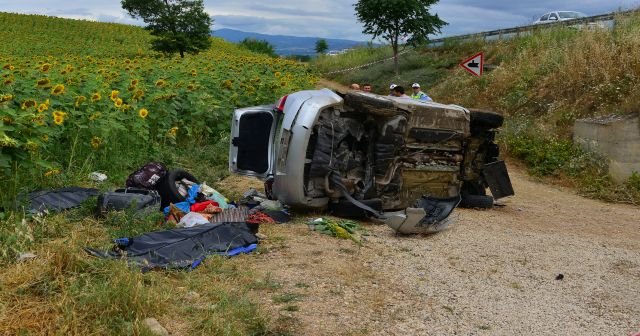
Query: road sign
{"type": "Point", "coordinates": [474, 64]}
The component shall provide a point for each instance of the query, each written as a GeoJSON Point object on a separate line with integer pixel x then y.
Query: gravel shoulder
{"type": "Point", "coordinates": [492, 273]}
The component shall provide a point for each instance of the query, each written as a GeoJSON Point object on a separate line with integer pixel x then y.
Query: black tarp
{"type": "Point", "coordinates": [59, 199]}
{"type": "Point", "coordinates": [183, 247]}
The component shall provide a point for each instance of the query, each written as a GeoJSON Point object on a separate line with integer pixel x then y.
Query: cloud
{"type": "Point", "coordinates": [326, 18]}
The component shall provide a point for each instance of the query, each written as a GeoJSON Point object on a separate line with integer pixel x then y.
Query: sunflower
{"type": "Point", "coordinates": [58, 89]}
{"type": "Point", "coordinates": [114, 95]}
{"type": "Point", "coordinates": [12, 68]}
{"type": "Point", "coordinates": [118, 102]}
{"type": "Point", "coordinates": [58, 117]}
{"type": "Point", "coordinates": [160, 83]}
{"type": "Point", "coordinates": [45, 67]}
{"type": "Point", "coordinates": [80, 100]}
{"type": "Point", "coordinates": [95, 116]}
{"type": "Point", "coordinates": [228, 84]}
{"type": "Point", "coordinates": [134, 82]}
{"type": "Point", "coordinates": [7, 66]}
{"type": "Point", "coordinates": [191, 87]}
{"type": "Point", "coordinates": [42, 107]}
{"type": "Point", "coordinates": [277, 74]}
{"type": "Point", "coordinates": [6, 98]}
{"type": "Point", "coordinates": [52, 172]}
{"type": "Point", "coordinates": [143, 113]}
{"type": "Point", "coordinates": [44, 82]}
{"type": "Point", "coordinates": [173, 131]}
{"type": "Point", "coordinates": [138, 94]}
{"type": "Point", "coordinates": [95, 97]}
{"type": "Point", "coordinates": [45, 138]}
{"type": "Point", "coordinates": [8, 81]}
{"type": "Point", "coordinates": [96, 142]}
{"type": "Point", "coordinates": [28, 103]}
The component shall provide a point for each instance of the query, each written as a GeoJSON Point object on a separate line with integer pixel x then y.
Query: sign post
{"type": "Point", "coordinates": [474, 65]}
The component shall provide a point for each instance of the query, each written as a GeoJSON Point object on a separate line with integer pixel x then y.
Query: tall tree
{"type": "Point", "coordinates": [179, 25]}
{"type": "Point", "coordinates": [394, 20]}
{"type": "Point", "coordinates": [321, 46]}
{"type": "Point", "coordinates": [258, 46]}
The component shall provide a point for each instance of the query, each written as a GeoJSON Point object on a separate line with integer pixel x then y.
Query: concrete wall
{"type": "Point", "coordinates": [616, 138]}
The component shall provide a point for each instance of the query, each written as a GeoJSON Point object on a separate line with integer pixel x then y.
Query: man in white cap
{"type": "Point", "coordinates": [418, 94]}
{"type": "Point", "coordinates": [391, 87]}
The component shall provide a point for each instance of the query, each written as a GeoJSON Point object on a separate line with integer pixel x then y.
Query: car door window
{"type": "Point", "coordinates": [553, 16]}
{"type": "Point", "coordinates": [544, 17]}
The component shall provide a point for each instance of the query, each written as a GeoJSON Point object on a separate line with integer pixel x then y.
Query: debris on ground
{"type": "Point", "coordinates": [345, 229]}
{"type": "Point", "coordinates": [98, 177]}
{"type": "Point", "coordinates": [25, 256]}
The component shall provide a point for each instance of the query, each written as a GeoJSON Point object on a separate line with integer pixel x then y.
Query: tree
{"type": "Point", "coordinates": [321, 46]}
{"type": "Point", "coordinates": [394, 20]}
{"type": "Point", "coordinates": [179, 25]}
{"type": "Point", "coordinates": [258, 46]}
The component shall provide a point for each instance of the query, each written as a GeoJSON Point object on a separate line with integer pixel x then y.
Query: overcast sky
{"type": "Point", "coordinates": [327, 18]}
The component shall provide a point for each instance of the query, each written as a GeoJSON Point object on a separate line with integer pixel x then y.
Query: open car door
{"type": "Point", "coordinates": [251, 150]}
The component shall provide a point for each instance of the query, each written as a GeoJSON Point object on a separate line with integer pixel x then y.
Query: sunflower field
{"type": "Point", "coordinates": [78, 96]}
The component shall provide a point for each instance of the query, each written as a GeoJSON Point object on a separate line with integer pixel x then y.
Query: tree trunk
{"type": "Point", "coordinates": [395, 59]}
{"type": "Point", "coordinates": [182, 53]}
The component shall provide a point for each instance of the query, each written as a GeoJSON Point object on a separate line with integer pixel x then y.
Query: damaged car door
{"type": "Point", "coordinates": [251, 151]}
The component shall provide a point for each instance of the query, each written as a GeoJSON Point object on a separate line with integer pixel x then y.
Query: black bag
{"type": "Point", "coordinates": [147, 176]}
{"type": "Point", "coordinates": [122, 199]}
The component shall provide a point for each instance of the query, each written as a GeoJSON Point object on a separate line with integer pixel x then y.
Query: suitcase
{"type": "Point", "coordinates": [135, 199]}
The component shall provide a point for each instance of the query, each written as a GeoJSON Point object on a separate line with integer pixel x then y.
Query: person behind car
{"type": "Point", "coordinates": [391, 87]}
{"type": "Point", "coordinates": [355, 86]}
{"type": "Point", "coordinates": [398, 91]}
{"type": "Point", "coordinates": [366, 87]}
{"type": "Point", "coordinates": [418, 94]}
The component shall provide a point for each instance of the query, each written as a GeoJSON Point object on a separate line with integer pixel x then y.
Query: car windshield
{"type": "Point", "coordinates": [571, 15]}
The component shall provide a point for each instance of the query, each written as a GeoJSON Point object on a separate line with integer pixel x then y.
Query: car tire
{"type": "Point", "coordinates": [167, 186]}
{"type": "Point", "coordinates": [476, 202]}
{"type": "Point", "coordinates": [486, 119]}
{"type": "Point", "coordinates": [372, 104]}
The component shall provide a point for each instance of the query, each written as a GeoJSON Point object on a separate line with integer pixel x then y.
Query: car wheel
{"type": "Point", "coordinates": [167, 186]}
{"type": "Point", "coordinates": [476, 201]}
{"type": "Point", "coordinates": [486, 119]}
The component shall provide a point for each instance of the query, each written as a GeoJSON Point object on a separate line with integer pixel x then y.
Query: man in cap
{"type": "Point", "coordinates": [391, 87]}
{"type": "Point", "coordinates": [418, 94]}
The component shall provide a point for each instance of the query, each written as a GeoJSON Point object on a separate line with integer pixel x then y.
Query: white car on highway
{"type": "Point", "coordinates": [559, 16]}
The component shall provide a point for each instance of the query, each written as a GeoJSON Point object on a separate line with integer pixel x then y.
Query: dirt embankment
{"type": "Point", "coordinates": [493, 272]}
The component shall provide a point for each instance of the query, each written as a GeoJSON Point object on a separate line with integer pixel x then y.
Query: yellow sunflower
{"type": "Point", "coordinates": [160, 83]}
{"type": "Point", "coordinates": [134, 82]}
{"type": "Point", "coordinates": [118, 102]}
{"type": "Point", "coordinates": [28, 103]}
{"type": "Point", "coordinates": [58, 89]}
{"type": "Point", "coordinates": [58, 117]}
{"type": "Point", "coordinates": [143, 113]}
{"type": "Point", "coordinates": [80, 100]}
{"type": "Point", "coordinates": [114, 95]}
{"type": "Point", "coordinates": [96, 142]}
{"type": "Point", "coordinates": [42, 107]}
{"type": "Point", "coordinates": [95, 97]}
{"type": "Point", "coordinates": [173, 131]}
{"type": "Point", "coordinates": [44, 82]}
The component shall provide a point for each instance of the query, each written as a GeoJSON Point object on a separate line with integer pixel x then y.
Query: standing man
{"type": "Point", "coordinates": [366, 87]}
{"type": "Point", "coordinates": [398, 91]}
{"type": "Point", "coordinates": [418, 94]}
{"type": "Point", "coordinates": [391, 87]}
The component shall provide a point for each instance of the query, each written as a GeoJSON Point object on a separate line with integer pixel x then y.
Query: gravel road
{"type": "Point", "coordinates": [493, 272]}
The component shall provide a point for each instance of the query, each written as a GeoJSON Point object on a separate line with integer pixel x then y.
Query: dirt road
{"type": "Point", "coordinates": [492, 273]}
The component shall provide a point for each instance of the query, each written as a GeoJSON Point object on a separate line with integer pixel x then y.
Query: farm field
{"type": "Point", "coordinates": [79, 96]}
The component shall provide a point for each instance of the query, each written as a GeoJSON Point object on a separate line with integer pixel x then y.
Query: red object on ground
{"type": "Point", "coordinates": [198, 207]}
{"type": "Point", "coordinates": [260, 218]}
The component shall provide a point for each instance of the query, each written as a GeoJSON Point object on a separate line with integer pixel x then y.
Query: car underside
{"type": "Point", "coordinates": [392, 158]}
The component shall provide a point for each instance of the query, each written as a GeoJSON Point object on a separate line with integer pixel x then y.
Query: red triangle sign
{"type": "Point", "coordinates": [474, 64]}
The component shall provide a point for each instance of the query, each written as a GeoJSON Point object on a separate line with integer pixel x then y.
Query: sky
{"type": "Point", "coordinates": [327, 18]}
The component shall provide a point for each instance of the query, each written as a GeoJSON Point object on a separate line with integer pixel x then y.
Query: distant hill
{"type": "Point", "coordinates": [287, 45]}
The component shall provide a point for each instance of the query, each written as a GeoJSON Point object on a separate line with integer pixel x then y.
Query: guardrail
{"type": "Point", "coordinates": [523, 29]}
